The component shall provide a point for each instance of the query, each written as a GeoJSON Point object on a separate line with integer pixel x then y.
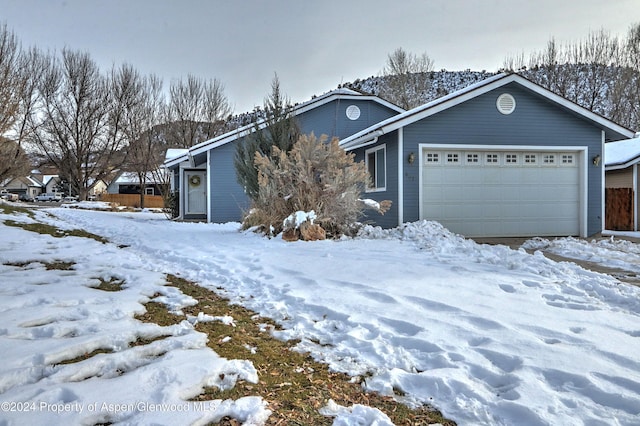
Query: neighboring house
{"type": "Point", "coordinates": [129, 183]}
{"type": "Point", "coordinates": [204, 176]}
{"type": "Point", "coordinates": [621, 183]}
{"type": "Point", "coordinates": [27, 185]}
{"type": "Point", "coordinates": [503, 157]}
{"type": "Point", "coordinates": [97, 187]}
{"type": "Point", "coordinates": [50, 183]}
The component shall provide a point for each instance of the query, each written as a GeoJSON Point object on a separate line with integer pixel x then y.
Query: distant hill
{"type": "Point", "coordinates": [606, 90]}
{"type": "Point", "coordinates": [612, 92]}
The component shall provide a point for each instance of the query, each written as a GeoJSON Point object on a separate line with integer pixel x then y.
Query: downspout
{"type": "Point", "coordinates": [400, 175]}
{"type": "Point", "coordinates": [602, 184]}
{"type": "Point", "coordinates": [208, 190]}
{"type": "Point", "coordinates": [635, 197]}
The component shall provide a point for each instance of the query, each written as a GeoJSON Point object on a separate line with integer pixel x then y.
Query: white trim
{"type": "Point", "coordinates": [466, 147]}
{"type": "Point", "coordinates": [602, 182]}
{"type": "Point", "coordinates": [400, 174]}
{"type": "Point", "coordinates": [582, 150]}
{"type": "Point", "coordinates": [584, 197]}
{"type": "Point", "coordinates": [208, 193]}
{"type": "Point", "coordinates": [339, 94]}
{"type": "Point", "coordinates": [474, 91]}
{"type": "Point", "coordinates": [635, 197]}
{"type": "Point", "coordinates": [375, 178]}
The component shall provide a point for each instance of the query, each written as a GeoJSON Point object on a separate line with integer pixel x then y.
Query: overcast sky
{"type": "Point", "coordinates": [312, 45]}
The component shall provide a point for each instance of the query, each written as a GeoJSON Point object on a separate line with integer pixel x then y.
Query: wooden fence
{"type": "Point", "coordinates": [618, 209]}
{"type": "Point", "coordinates": [133, 200]}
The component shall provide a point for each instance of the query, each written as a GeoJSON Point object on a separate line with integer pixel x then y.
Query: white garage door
{"type": "Point", "coordinates": [500, 193]}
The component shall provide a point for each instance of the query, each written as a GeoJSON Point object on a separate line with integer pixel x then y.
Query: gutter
{"type": "Point", "coordinates": [368, 139]}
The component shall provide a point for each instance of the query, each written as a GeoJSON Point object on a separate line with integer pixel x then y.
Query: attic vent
{"type": "Point", "coordinates": [353, 112]}
{"type": "Point", "coordinates": [506, 104]}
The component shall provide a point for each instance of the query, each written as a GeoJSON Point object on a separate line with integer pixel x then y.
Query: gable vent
{"type": "Point", "coordinates": [506, 103]}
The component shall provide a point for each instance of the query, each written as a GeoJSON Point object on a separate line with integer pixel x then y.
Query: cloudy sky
{"type": "Point", "coordinates": [312, 45]}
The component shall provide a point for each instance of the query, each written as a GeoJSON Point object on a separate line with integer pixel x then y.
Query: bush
{"type": "Point", "coordinates": [314, 176]}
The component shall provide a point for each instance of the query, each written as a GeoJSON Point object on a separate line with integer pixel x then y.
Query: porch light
{"type": "Point", "coordinates": [411, 158]}
{"type": "Point", "coordinates": [596, 160]}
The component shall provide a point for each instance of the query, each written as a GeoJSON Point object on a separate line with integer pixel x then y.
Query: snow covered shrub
{"type": "Point", "coordinates": [315, 175]}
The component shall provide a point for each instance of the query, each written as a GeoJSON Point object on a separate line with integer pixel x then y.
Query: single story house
{"type": "Point", "coordinates": [503, 157]}
{"type": "Point", "coordinates": [204, 177]}
{"type": "Point", "coordinates": [27, 186]}
{"type": "Point", "coordinates": [129, 183]}
{"type": "Point", "coordinates": [621, 183]}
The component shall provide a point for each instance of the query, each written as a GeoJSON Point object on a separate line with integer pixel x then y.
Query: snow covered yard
{"type": "Point", "coordinates": [487, 334]}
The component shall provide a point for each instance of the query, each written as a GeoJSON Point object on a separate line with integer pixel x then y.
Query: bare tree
{"type": "Point", "coordinates": [197, 111]}
{"type": "Point", "coordinates": [408, 78]}
{"type": "Point", "coordinates": [632, 61]}
{"type": "Point", "coordinates": [13, 79]}
{"type": "Point", "coordinates": [78, 126]}
{"type": "Point", "coordinates": [142, 104]}
{"type": "Point", "coordinates": [597, 72]}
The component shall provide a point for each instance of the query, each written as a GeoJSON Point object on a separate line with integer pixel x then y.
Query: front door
{"type": "Point", "coordinates": [196, 194]}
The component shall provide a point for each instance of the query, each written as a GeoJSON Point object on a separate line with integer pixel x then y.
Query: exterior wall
{"type": "Point", "coordinates": [391, 217]}
{"type": "Point", "coordinates": [535, 122]}
{"type": "Point", "coordinates": [619, 178]}
{"type": "Point", "coordinates": [227, 198]}
{"type": "Point", "coordinates": [331, 118]}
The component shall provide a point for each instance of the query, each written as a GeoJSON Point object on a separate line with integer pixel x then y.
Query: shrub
{"type": "Point", "coordinates": [314, 175]}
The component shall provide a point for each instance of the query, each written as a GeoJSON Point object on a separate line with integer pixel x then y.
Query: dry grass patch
{"type": "Point", "coordinates": [114, 284]}
{"type": "Point", "coordinates": [294, 384]}
{"type": "Point", "coordinates": [140, 341]}
{"type": "Point", "coordinates": [43, 228]}
{"type": "Point", "coordinates": [57, 265]}
{"type": "Point", "coordinates": [9, 209]}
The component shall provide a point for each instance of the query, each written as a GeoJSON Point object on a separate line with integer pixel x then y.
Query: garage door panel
{"type": "Point", "coordinates": [503, 199]}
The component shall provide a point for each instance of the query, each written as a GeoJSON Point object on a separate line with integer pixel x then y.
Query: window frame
{"type": "Point", "coordinates": [374, 179]}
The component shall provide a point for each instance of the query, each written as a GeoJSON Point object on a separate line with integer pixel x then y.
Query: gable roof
{"type": "Point", "coordinates": [338, 94]}
{"type": "Point", "coordinates": [622, 154]}
{"type": "Point", "coordinates": [369, 136]}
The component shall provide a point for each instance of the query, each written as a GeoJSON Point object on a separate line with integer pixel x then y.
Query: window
{"type": "Point", "coordinates": [549, 158]}
{"type": "Point", "coordinates": [453, 158]}
{"type": "Point", "coordinates": [473, 158]}
{"type": "Point", "coordinates": [432, 157]}
{"type": "Point", "coordinates": [530, 158]}
{"type": "Point", "coordinates": [511, 158]}
{"type": "Point", "coordinates": [491, 159]}
{"type": "Point", "coordinates": [567, 158]}
{"type": "Point", "coordinates": [148, 191]}
{"type": "Point", "coordinates": [377, 166]}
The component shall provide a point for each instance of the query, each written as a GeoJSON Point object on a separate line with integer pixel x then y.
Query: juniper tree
{"type": "Point", "coordinates": [277, 128]}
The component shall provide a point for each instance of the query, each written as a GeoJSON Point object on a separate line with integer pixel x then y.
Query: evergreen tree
{"type": "Point", "coordinates": [277, 128]}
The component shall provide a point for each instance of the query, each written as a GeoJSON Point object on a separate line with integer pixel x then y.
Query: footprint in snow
{"type": "Point", "coordinates": [507, 288]}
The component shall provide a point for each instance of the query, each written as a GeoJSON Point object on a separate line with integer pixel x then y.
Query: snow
{"type": "Point", "coordinates": [621, 152]}
{"type": "Point", "coordinates": [487, 334]}
{"type": "Point", "coordinates": [294, 220]}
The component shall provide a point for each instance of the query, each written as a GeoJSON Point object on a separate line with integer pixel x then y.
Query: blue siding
{"type": "Point", "coordinates": [330, 119]}
{"type": "Point", "coordinates": [535, 121]}
{"type": "Point", "coordinates": [228, 200]}
{"type": "Point", "coordinates": [390, 218]}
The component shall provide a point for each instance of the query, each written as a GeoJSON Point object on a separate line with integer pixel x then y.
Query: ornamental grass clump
{"type": "Point", "coordinates": [315, 175]}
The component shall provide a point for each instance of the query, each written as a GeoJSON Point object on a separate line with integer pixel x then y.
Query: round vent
{"type": "Point", "coordinates": [353, 112]}
{"type": "Point", "coordinates": [506, 103]}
